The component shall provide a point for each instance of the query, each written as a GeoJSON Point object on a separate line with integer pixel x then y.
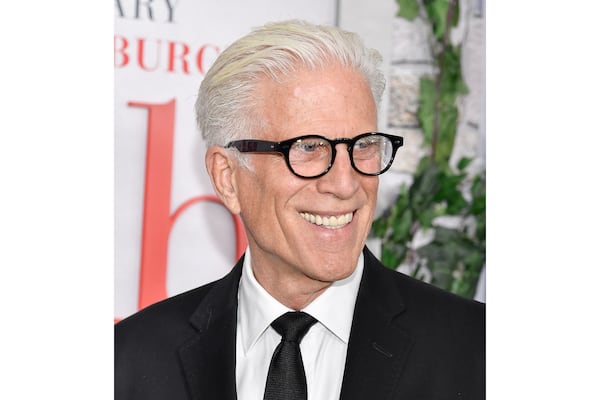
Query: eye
{"type": "Point", "coordinates": [310, 145]}
{"type": "Point", "coordinates": [368, 142]}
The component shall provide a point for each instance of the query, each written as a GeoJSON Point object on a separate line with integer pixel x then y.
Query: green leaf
{"type": "Point", "coordinates": [461, 87]}
{"type": "Point", "coordinates": [466, 286]}
{"type": "Point", "coordinates": [447, 132]}
{"type": "Point", "coordinates": [480, 231]}
{"type": "Point", "coordinates": [478, 205]}
{"type": "Point", "coordinates": [474, 260]}
{"type": "Point", "coordinates": [409, 9]}
{"type": "Point", "coordinates": [445, 235]}
{"type": "Point", "coordinates": [456, 15]}
{"type": "Point", "coordinates": [402, 200]}
{"type": "Point", "coordinates": [424, 163]}
{"type": "Point", "coordinates": [401, 226]}
{"type": "Point", "coordinates": [426, 110]}
{"type": "Point", "coordinates": [379, 227]}
{"type": "Point", "coordinates": [426, 217]}
{"type": "Point", "coordinates": [478, 195]}
{"type": "Point", "coordinates": [392, 254]}
{"type": "Point", "coordinates": [451, 81]}
{"type": "Point", "coordinates": [463, 163]}
{"type": "Point", "coordinates": [449, 192]}
{"type": "Point", "coordinates": [436, 11]}
{"type": "Point", "coordinates": [441, 271]}
{"type": "Point", "coordinates": [424, 187]}
{"type": "Point", "coordinates": [387, 257]}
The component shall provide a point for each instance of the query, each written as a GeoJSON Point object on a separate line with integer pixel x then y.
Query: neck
{"type": "Point", "coordinates": [291, 288]}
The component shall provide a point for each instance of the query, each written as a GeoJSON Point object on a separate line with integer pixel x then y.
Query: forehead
{"type": "Point", "coordinates": [334, 102]}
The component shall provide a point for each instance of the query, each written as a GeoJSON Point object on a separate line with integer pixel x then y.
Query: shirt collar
{"type": "Point", "coordinates": [334, 308]}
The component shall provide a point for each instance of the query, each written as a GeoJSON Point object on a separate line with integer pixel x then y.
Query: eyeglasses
{"type": "Point", "coordinates": [313, 156]}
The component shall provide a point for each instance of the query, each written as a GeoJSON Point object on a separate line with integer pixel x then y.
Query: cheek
{"type": "Point", "coordinates": [251, 194]}
{"type": "Point", "coordinates": [370, 185]}
{"type": "Point", "coordinates": [371, 189]}
{"type": "Point", "coordinates": [258, 198]}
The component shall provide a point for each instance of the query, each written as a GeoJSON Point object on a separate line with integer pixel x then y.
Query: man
{"type": "Point", "coordinates": [289, 116]}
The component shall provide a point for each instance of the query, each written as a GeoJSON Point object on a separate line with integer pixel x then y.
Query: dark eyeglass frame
{"type": "Point", "coordinates": [283, 148]}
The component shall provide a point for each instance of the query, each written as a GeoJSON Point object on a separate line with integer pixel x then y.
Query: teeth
{"type": "Point", "coordinates": [331, 222]}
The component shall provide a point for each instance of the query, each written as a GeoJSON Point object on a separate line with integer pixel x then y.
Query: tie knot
{"type": "Point", "coordinates": [293, 325]}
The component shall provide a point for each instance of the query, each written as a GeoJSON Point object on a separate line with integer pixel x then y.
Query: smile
{"type": "Point", "coordinates": [330, 222]}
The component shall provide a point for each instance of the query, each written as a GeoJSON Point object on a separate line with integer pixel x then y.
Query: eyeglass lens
{"type": "Point", "coordinates": [311, 156]}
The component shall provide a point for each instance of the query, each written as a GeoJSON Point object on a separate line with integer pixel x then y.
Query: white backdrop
{"type": "Point", "coordinates": [162, 50]}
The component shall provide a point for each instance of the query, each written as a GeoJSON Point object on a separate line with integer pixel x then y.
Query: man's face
{"type": "Point", "coordinates": [278, 207]}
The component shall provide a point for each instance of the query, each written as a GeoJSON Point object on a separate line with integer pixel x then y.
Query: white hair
{"type": "Point", "coordinates": [224, 107]}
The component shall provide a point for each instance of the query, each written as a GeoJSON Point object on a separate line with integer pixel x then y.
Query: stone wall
{"type": "Point", "coordinates": [411, 58]}
{"type": "Point", "coordinates": [407, 56]}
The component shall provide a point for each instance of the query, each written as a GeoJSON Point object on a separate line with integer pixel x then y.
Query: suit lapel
{"type": "Point", "coordinates": [377, 348]}
{"type": "Point", "coordinates": [208, 359]}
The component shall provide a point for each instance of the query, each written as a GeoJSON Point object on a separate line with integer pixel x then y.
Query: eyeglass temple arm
{"type": "Point", "coordinates": [254, 146]}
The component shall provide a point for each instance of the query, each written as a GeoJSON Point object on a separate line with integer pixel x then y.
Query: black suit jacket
{"type": "Point", "coordinates": [409, 341]}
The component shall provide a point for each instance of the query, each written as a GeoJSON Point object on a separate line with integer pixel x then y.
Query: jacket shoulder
{"type": "Point", "coordinates": [147, 343]}
{"type": "Point", "coordinates": [438, 318]}
{"type": "Point", "coordinates": [424, 297]}
{"type": "Point", "coordinates": [445, 333]}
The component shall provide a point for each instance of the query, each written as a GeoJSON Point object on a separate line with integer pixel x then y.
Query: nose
{"type": "Point", "coordinates": [342, 180]}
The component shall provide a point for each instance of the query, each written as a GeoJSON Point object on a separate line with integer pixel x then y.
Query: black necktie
{"type": "Point", "coordinates": [286, 379]}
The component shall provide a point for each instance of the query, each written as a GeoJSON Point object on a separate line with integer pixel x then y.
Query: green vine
{"type": "Point", "coordinates": [453, 256]}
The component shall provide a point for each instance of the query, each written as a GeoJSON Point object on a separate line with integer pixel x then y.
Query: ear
{"type": "Point", "coordinates": [222, 168]}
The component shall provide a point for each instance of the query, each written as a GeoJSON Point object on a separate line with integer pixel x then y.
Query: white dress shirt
{"type": "Point", "coordinates": [323, 348]}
